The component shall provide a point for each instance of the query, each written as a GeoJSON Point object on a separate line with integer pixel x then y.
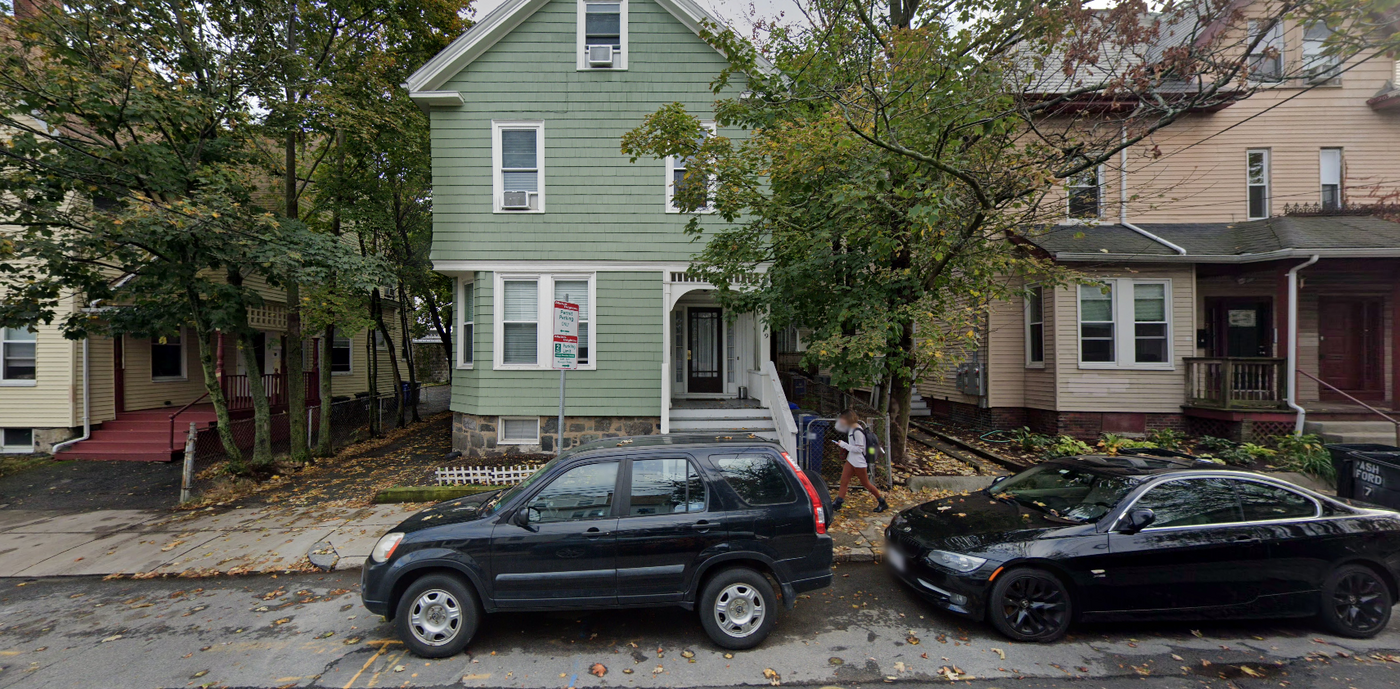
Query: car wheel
{"type": "Point", "coordinates": [738, 608]}
{"type": "Point", "coordinates": [437, 616]}
{"type": "Point", "coordinates": [1356, 602]}
{"type": "Point", "coordinates": [1030, 605]}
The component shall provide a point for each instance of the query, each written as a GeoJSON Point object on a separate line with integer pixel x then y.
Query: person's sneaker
{"type": "Point", "coordinates": [837, 503]}
{"type": "Point", "coordinates": [882, 506]}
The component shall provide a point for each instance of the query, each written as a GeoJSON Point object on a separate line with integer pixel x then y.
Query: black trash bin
{"type": "Point", "coordinates": [1368, 472]}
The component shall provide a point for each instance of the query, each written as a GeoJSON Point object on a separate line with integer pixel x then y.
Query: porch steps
{"type": "Point", "coordinates": [139, 436]}
{"type": "Point", "coordinates": [723, 421]}
{"type": "Point", "coordinates": [918, 406]}
{"type": "Point", "coordinates": [1379, 432]}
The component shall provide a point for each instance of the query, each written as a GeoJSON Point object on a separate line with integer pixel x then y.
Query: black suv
{"type": "Point", "coordinates": [694, 521]}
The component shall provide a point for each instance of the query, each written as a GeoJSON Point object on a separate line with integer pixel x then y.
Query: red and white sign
{"type": "Point", "coordinates": [565, 335]}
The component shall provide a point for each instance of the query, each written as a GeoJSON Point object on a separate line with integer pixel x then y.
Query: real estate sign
{"type": "Point", "coordinates": [565, 335]}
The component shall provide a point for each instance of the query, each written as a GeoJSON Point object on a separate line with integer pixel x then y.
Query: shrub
{"type": "Point", "coordinates": [1029, 440]}
{"type": "Point", "coordinates": [1214, 444]}
{"type": "Point", "coordinates": [1305, 454]}
{"type": "Point", "coordinates": [1065, 446]}
{"type": "Point", "coordinates": [1111, 443]}
{"type": "Point", "coordinates": [1166, 438]}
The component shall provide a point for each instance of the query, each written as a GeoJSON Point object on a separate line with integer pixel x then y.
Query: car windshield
{"type": "Point", "coordinates": [505, 497]}
{"type": "Point", "coordinates": [1064, 491]}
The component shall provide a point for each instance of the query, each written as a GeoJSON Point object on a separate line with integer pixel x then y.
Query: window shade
{"type": "Point", "coordinates": [1149, 303]}
{"type": "Point", "coordinates": [515, 430]}
{"type": "Point", "coordinates": [521, 300]}
{"type": "Point", "coordinates": [575, 291]}
{"type": "Point", "coordinates": [518, 149]}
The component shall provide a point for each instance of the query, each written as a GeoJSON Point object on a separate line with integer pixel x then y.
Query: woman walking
{"type": "Point", "coordinates": [855, 446]}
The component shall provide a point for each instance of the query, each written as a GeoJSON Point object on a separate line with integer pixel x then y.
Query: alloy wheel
{"type": "Point", "coordinates": [1033, 606]}
{"type": "Point", "coordinates": [1359, 601]}
{"type": "Point", "coordinates": [436, 617]}
{"type": "Point", "coordinates": [739, 610]}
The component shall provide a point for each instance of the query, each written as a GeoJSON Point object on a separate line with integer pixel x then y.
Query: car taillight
{"type": "Point", "coordinates": [818, 513]}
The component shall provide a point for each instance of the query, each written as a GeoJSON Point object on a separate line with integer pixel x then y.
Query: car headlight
{"type": "Point", "coordinates": [954, 561]}
{"type": "Point", "coordinates": [385, 547]}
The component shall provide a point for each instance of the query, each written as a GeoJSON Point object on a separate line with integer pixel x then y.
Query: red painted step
{"type": "Point", "coordinates": [139, 436]}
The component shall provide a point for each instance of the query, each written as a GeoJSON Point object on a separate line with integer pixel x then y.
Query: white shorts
{"type": "Point", "coordinates": [857, 462]}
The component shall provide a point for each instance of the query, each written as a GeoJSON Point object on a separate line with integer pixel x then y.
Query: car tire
{"type": "Point", "coordinates": [738, 608]}
{"type": "Point", "coordinates": [1030, 605]}
{"type": "Point", "coordinates": [1355, 603]}
{"type": "Point", "coordinates": [437, 616]}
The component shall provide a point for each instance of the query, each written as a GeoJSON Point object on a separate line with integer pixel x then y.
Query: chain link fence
{"type": "Point", "coordinates": [818, 406]}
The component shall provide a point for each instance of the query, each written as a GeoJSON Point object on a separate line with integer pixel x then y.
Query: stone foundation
{"type": "Point", "coordinates": [476, 436]}
{"type": "Point", "coordinates": [1077, 424]}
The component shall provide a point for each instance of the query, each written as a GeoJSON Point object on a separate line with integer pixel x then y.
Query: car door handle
{"type": "Point", "coordinates": [594, 532]}
{"type": "Point", "coordinates": [702, 526]}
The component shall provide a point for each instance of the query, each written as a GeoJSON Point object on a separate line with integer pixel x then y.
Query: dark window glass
{"type": "Point", "coordinates": [166, 354]}
{"type": "Point", "coordinates": [1192, 502]}
{"type": "Point", "coordinates": [1263, 502]}
{"type": "Point", "coordinates": [603, 24]}
{"type": "Point", "coordinates": [1035, 325]}
{"type": "Point", "coordinates": [1067, 492]}
{"type": "Point", "coordinates": [18, 438]}
{"type": "Point", "coordinates": [340, 355]}
{"type": "Point", "coordinates": [1258, 201]}
{"type": "Point", "coordinates": [758, 479]}
{"type": "Point", "coordinates": [666, 486]}
{"type": "Point", "coordinates": [584, 492]}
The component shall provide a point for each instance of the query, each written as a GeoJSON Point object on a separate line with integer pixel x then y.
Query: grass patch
{"type": "Point", "coordinates": [14, 464]}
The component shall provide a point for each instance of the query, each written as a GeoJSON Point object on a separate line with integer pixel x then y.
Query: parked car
{"type": "Point", "coordinates": [1119, 538]}
{"type": "Point", "coordinates": [719, 525]}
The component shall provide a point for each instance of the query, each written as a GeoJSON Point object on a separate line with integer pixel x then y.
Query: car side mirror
{"type": "Point", "coordinates": [1136, 520]}
{"type": "Point", "coordinates": [521, 518]}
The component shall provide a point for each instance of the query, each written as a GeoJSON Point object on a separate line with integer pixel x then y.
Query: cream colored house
{"type": "Point", "coordinates": [1283, 203]}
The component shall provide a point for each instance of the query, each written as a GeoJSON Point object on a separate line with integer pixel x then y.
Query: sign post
{"type": "Point", "coordinates": [565, 352]}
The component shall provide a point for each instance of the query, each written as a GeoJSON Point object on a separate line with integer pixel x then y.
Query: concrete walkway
{"type": "Point", "coordinates": [42, 543]}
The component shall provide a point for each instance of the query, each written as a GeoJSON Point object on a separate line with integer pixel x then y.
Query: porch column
{"type": "Point", "coordinates": [665, 352]}
{"type": "Point", "coordinates": [1281, 314]}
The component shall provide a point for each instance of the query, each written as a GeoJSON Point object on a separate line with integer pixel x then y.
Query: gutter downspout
{"type": "Point", "coordinates": [1292, 364]}
{"type": "Point", "coordinates": [1123, 200]}
{"type": "Point", "coordinates": [87, 380]}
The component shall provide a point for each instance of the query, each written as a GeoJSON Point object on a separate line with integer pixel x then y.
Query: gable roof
{"type": "Point", "coordinates": [1242, 242]}
{"type": "Point", "coordinates": [423, 84]}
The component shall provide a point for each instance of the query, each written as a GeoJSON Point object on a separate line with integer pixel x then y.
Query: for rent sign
{"type": "Point", "coordinates": [565, 335]}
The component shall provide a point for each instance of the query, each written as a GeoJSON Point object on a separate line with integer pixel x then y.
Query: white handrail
{"type": "Point", "coordinates": [776, 401]}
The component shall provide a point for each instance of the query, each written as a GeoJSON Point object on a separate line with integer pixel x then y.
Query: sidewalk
{"type": "Point", "coordinates": [48, 543]}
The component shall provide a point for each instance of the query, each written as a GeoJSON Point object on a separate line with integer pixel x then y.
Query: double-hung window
{"type": "Point", "coordinates": [1125, 323]}
{"type": "Point", "coordinates": [1318, 65]}
{"type": "Point", "coordinates": [1035, 327]}
{"type": "Point", "coordinates": [523, 316]}
{"type": "Point", "coordinates": [167, 357]}
{"type": "Point", "coordinates": [18, 357]}
{"type": "Point", "coordinates": [1330, 172]}
{"type": "Point", "coordinates": [517, 152]}
{"type": "Point", "coordinates": [342, 354]}
{"type": "Point", "coordinates": [676, 171]}
{"type": "Point", "coordinates": [1266, 60]}
{"type": "Point", "coordinates": [1257, 176]}
{"type": "Point", "coordinates": [466, 323]}
{"type": "Point", "coordinates": [1085, 190]}
{"type": "Point", "coordinates": [602, 34]}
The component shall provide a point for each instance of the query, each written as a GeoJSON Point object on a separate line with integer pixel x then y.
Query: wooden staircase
{"type": "Point", "coordinates": [139, 436]}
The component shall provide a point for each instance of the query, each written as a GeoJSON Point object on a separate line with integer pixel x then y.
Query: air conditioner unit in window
{"type": "Point", "coordinates": [600, 56]}
{"type": "Point", "coordinates": [516, 200]}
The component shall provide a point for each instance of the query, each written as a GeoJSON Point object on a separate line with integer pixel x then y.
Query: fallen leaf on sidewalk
{"type": "Point", "coordinates": [999, 652]}
{"type": "Point", "coordinates": [113, 637]}
{"type": "Point", "coordinates": [1250, 671]}
{"type": "Point", "coordinates": [773, 677]}
{"type": "Point", "coordinates": [687, 654]}
{"type": "Point", "coordinates": [398, 668]}
{"type": "Point", "coordinates": [598, 670]}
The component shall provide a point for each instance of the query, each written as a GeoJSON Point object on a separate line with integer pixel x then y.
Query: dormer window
{"type": "Point", "coordinates": [602, 34]}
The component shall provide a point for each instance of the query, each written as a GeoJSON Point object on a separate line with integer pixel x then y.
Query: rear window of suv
{"type": "Point", "coordinates": [758, 478]}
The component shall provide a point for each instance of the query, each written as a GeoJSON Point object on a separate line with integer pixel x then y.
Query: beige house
{"type": "Point", "coordinates": [1258, 246]}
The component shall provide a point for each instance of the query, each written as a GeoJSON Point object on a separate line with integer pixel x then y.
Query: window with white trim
{"type": "Point", "coordinates": [16, 440]}
{"type": "Point", "coordinates": [1085, 190]}
{"type": "Point", "coordinates": [523, 430]}
{"type": "Point", "coordinates": [168, 357]}
{"type": "Point", "coordinates": [466, 323]}
{"type": "Point", "coordinates": [1035, 327]}
{"type": "Point", "coordinates": [1266, 60]}
{"type": "Point", "coordinates": [342, 355]}
{"type": "Point", "coordinates": [602, 34]}
{"type": "Point", "coordinates": [517, 154]}
{"type": "Point", "coordinates": [1257, 177]}
{"type": "Point", "coordinates": [676, 170]}
{"type": "Point", "coordinates": [18, 356]}
{"type": "Point", "coordinates": [523, 318]}
{"type": "Point", "coordinates": [1329, 164]}
{"type": "Point", "coordinates": [1125, 323]}
{"type": "Point", "coordinates": [1318, 64]}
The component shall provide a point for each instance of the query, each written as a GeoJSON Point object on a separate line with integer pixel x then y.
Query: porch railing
{"type": "Point", "coordinates": [1368, 407]}
{"type": "Point", "coordinates": [240, 395]}
{"type": "Point", "coordinates": [1245, 383]}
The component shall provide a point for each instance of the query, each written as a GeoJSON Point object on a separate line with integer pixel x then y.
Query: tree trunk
{"type": "Point", "coordinates": [901, 389]}
{"type": "Point", "coordinates": [410, 361]}
{"type": "Point", "coordinates": [211, 383]}
{"type": "Point", "coordinates": [393, 360]}
{"type": "Point", "coordinates": [445, 337]}
{"type": "Point", "coordinates": [372, 369]}
{"type": "Point", "coordinates": [296, 373]}
{"type": "Point", "coordinates": [262, 412]}
{"type": "Point", "coordinates": [323, 440]}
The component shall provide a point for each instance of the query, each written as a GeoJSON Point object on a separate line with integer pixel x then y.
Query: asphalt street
{"type": "Point", "coordinates": [310, 631]}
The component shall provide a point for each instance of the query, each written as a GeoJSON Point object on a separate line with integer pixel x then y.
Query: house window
{"type": "Point", "coordinates": [466, 324]}
{"type": "Point", "coordinates": [16, 440]}
{"type": "Point", "coordinates": [1084, 190]}
{"type": "Point", "coordinates": [518, 155]}
{"type": "Point", "coordinates": [602, 34]}
{"type": "Point", "coordinates": [676, 170]}
{"type": "Point", "coordinates": [520, 323]}
{"type": "Point", "coordinates": [518, 431]}
{"type": "Point", "coordinates": [1330, 171]}
{"type": "Point", "coordinates": [168, 357]}
{"type": "Point", "coordinates": [1318, 65]}
{"type": "Point", "coordinates": [1266, 60]}
{"type": "Point", "coordinates": [1035, 327]}
{"type": "Point", "coordinates": [576, 292]}
{"type": "Point", "coordinates": [1258, 178]}
{"type": "Point", "coordinates": [1138, 309]}
{"type": "Point", "coordinates": [17, 356]}
{"type": "Point", "coordinates": [341, 355]}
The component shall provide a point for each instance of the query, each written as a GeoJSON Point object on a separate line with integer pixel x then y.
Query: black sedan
{"type": "Point", "coordinates": [1111, 538]}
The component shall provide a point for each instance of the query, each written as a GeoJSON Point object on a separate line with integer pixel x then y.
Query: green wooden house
{"type": "Point", "coordinates": [534, 201]}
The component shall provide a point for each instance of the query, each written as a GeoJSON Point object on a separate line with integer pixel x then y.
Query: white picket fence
{"type": "Point", "coordinates": [490, 476]}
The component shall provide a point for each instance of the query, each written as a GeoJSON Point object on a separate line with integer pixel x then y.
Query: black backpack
{"type": "Point", "coordinates": [872, 444]}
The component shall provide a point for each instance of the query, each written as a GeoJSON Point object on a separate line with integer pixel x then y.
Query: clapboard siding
{"type": "Point", "coordinates": [141, 392]}
{"type": "Point", "coordinates": [50, 402]}
{"type": "Point", "coordinates": [1006, 353]}
{"type": "Point", "coordinates": [627, 382]}
{"type": "Point", "coordinates": [1040, 382]}
{"type": "Point", "coordinates": [598, 205]}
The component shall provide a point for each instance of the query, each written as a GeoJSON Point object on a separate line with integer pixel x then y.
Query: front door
{"type": "Point", "coordinates": [667, 528]}
{"type": "Point", "coordinates": [1242, 327]}
{"type": "Point", "coordinates": [1350, 356]}
{"type": "Point", "coordinates": [705, 360]}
